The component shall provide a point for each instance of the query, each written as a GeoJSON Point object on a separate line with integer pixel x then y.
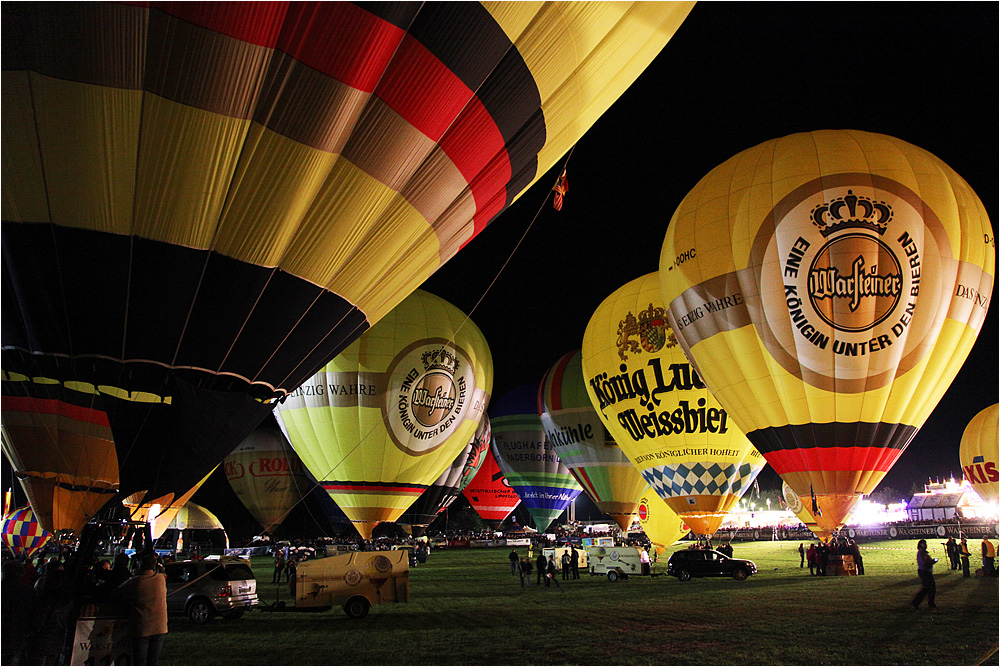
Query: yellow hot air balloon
{"type": "Point", "coordinates": [378, 424]}
{"type": "Point", "coordinates": [828, 286]}
{"type": "Point", "coordinates": [160, 512]}
{"type": "Point", "coordinates": [204, 202]}
{"type": "Point", "coordinates": [978, 453]}
{"type": "Point", "coordinates": [659, 411]}
{"type": "Point", "coordinates": [801, 512]}
{"type": "Point", "coordinates": [661, 524]}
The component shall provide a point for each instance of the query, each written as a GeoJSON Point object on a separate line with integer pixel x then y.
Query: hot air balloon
{"type": "Point", "coordinates": [23, 534]}
{"type": "Point", "coordinates": [205, 202]}
{"type": "Point", "coordinates": [378, 424]}
{"type": "Point", "coordinates": [192, 526]}
{"type": "Point", "coordinates": [660, 412]}
{"type": "Point", "coordinates": [661, 524]}
{"type": "Point", "coordinates": [158, 513]}
{"type": "Point", "coordinates": [267, 476]}
{"type": "Point", "coordinates": [801, 512]}
{"type": "Point", "coordinates": [489, 493]}
{"type": "Point", "coordinates": [449, 485]}
{"type": "Point", "coordinates": [978, 453]}
{"type": "Point", "coordinates": [527, 459]}
{"type": "Point", "coordinates": [828, 287]}
{"type": "Point", "coordinates": [583, 444]}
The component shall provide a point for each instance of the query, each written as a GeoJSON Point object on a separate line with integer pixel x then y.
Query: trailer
{"type": "Point", "coordinates": [617, 562]}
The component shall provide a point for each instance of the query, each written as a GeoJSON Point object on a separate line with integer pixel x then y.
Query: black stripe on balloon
{"type": "Point", "coordinates": [834, 434]}
{"type": "Point", "coordinates": [217, 321]}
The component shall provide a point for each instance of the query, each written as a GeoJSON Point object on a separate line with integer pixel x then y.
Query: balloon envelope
{"type": "Point", "coordinates": [660, 413]}
{"type": "Point", "coordinates": [828, 286]}
{"type": "Point", "coordinates": [378, 424]}
{"type": "Point", "coordinates": [205, 202]}
{"type": "Point", "coordinates": [489, 492]}
{"type": "Point", "coordinates": [528, 460]}
{"type": "Point", "coordinates": [267, 476]}
{"type": "Point", "coordinates": [661, 524]}
{"type": "Point", "coordinates": [449, 485]}
{"type": "Point", "coordinates": [22, 532]}
{"type": "Point", "coordinates": [977, 453]}
{"type": "Point", "coordinates": [584, 445]}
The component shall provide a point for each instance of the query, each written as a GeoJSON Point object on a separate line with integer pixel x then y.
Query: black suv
{"type": "Point", "coordinates": [689, 563]}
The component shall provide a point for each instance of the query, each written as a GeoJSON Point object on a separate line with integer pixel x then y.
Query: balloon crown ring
{"type": "Point", "coordinates": [861, 212]}
{"type": "Point", "coordinates": [440, 360]}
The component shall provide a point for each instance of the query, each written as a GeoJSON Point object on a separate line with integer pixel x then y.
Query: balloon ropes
{"type": "Point", "coordinates": [828, 286]}
{"type": "Point", "coordinates": [583, 444]}
{"type": "Point", "coordinates": [23, 534]}
{"type": "Point", "coordinates": [489, 493]}
{"type": "Point", "coordinates": [977, 453]}
{"type": "Point", "coordinates": [206, 202]}
{"type": "Point", "coordinates": [528, 460]}
{"type": "Point", "coordinates": [267, 476]}
{"type": "Point", "coordinates": [378, 424]}
{"type": "Point", "coordinates": [660, 412]}
{"type": "Point", "coordinates": [442, 493]}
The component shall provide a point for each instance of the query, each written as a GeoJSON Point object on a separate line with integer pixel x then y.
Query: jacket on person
{"type": "Point", "coordinates": [147, 593]}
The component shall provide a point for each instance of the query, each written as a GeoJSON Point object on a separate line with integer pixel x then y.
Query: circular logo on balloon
{"type": "Point", "coordinates": [431, 387]}
{"type": "Point", "coordinates": [643, 510]}
{"type": "Point", "coordinates": [849, 271]}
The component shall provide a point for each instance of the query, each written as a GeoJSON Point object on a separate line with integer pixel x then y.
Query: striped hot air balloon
{"type": "Point", "coordinates": [527, 459]}
{"type": "Point", "coordinates": [583, 444]}
{"type": "Point", "coordinates": [204, 202]}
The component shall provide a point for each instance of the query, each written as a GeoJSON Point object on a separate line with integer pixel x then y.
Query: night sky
{"type": "Point", "coordinates": [733, 76]}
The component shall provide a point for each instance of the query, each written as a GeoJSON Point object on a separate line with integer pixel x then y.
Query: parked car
{"type": "Point", "coordinates": [689, 563]}
{"type": "Point", "coordinates": [203, 589]}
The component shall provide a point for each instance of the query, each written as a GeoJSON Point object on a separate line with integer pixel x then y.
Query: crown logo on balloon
{"type": "Point", "coordinates": [852, 210]}
{"type": "Point", "coordinates": [440, 360]}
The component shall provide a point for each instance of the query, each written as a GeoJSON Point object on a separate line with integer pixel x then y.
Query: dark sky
{"type": "Point", "coordinates": [733, 76]}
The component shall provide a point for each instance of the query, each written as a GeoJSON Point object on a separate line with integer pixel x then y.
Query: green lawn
{"type": "Point", "coordinates": [467, 609]}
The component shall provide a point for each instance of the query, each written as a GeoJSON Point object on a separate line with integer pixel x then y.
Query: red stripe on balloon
{"type": "Point", "coordinates": [832, 459]}
{"type": "Point", "coordinates": [51, 406]}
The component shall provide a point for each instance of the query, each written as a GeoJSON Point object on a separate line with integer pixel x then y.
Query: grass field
{"type": "Point", "coordinates": [467, 609]}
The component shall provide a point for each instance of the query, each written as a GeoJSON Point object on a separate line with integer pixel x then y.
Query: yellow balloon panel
{"type": "Point", "coordinates": [661, 524]}
{"type": "Point", "coordinates": [978, 453]}
{"type": "Point", "coordinates": [828, 287]}
{"type": "Point", "coordinates": [380, 422]}
{"type": "Point", "coordinates": [659, 411]}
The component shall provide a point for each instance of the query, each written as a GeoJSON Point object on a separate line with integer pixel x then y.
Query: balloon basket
{"type": "Point", "coordinates": [841, 565]}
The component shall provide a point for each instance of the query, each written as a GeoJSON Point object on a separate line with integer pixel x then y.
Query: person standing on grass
{"type": "Point", "coordinates": [802, 555]}
{"type": "Point", "coordinates": [811, 557]}
{"type": "Point", "coordinates": [575, 561]}
{"type": "Point", "coordinates": [550, 572]}
{"type": "Point", "coordinates": [514, 560]}
{"type": "Point", "coordinates": [279, 565]}
{"type": "Point", "coordinates": [542, 564]}
{"type": "Point", "coordinates": [146, 593]}
{"type": "Point", "coordinates": [566, 562]}
{"type": "Point", "coordinates": [963, 552]}
{"type": "Point", "coordinates": [925, 570]}
{"type": "Point", "coordinates": [989, 554]}
{"type": "Point", "coordinates": [526, 572]}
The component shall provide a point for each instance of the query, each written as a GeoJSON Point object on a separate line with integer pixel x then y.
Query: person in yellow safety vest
{"type": "Point", "coordinates": [963, 551]}
{"type": "Point", "coordinates": [989, 553]}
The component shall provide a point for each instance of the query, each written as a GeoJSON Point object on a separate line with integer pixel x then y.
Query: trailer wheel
{"type": "Point", "coordinates": [357, 607]}
{"type": "Point", "coordinates": [612, 576]}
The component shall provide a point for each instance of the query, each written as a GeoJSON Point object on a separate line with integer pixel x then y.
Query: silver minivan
{"type": "Point", "coordinates": [203, 589]}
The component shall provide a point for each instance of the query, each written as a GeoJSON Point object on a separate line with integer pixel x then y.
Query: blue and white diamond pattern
{"type": "Point", "coordinates": [688, 479]}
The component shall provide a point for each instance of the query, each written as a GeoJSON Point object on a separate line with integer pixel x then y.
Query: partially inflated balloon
{"type": "Point", "coordinates": [659, 411]}
{"type": "Point", "coordinates": [204, 202]}
{"type": "Point", "coordinates": [23, 534]}
{"type": "Point", "coordinates": [449, 485]}
{"type": "Point", "coordinates": [828, 286]}
{"type": "Point", "coordinates": [267, 476]}
{"type": "Point", "coordinates": [528, 459]}
{"type": "Point", "coordinates": [801, 512]}
{"type": "Point", "coordinates": [159, 512]}
{"type": "Point", "coordinates": [378, 424]}
{"type": "Point", "coordinates": [583, 444]}
{"type": "Point", "coordinates": [978, 453]}
{"type": "Point", "coordinates": [489, 493]}
{"type": "Point", "coordinates": [661, 524]}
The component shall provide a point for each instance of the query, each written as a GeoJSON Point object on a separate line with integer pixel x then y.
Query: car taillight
{"type": "Point", "coordinates": [227, 591]}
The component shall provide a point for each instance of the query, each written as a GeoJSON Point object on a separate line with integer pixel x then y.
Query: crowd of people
{"type": "Point", "coordinates": [817, 555]}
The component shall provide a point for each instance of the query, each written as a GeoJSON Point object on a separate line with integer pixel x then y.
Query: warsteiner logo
{"type": "Point", "coordinates": [432, 387]}
{"type": "Point", "coordinates": [838, 285]}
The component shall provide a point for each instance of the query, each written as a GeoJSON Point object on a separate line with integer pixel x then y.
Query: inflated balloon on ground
{"type": "Point", "coordinates": [978, 456]}
{"type": "Point", "coordinates": [660, 413]}
{"type": "Point", "coordinates": [828, 286]}
{"type": "Point", "coordinates": [378, 424]}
